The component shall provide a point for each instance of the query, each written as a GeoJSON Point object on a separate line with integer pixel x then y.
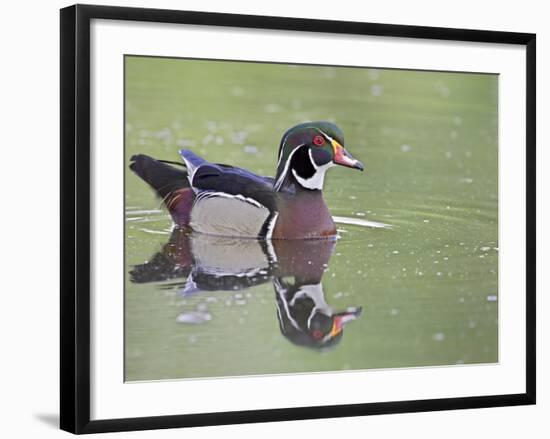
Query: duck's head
{"type": "Point", "coordinates": [305, 318]}
{"type": "Point", "coordinates": [307, 151]}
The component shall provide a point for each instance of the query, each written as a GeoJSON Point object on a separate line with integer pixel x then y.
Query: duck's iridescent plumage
{"type": "Point", "coordinates": [230, 201]}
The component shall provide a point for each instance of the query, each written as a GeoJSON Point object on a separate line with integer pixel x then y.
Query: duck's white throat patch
{"type": "Point", "coordinates": [317, 180]}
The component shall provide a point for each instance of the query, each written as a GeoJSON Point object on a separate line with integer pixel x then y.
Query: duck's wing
{"type": "Point", "coordinates": [230, 180]}
{"type": "Point", "coordinates": [229, 200]}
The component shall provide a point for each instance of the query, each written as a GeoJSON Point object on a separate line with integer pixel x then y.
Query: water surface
{"type": "Point", "coordinates": [419, 293]}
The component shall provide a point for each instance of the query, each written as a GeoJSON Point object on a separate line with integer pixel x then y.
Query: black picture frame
{"type": "Point", "coordinates": [75, 217]}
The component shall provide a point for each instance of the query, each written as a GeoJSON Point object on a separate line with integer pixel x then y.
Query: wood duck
{"type": "Point", "coordinates": [195, 263]}
{"type": "Point", "coordinates": [224, 200]}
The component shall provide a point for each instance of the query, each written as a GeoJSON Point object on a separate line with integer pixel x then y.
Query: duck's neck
{"type": "Point", "coordinates": [300, 172]}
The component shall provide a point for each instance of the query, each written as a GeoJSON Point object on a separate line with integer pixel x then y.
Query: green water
{"type": "Point", "coordinates": [427, 286]}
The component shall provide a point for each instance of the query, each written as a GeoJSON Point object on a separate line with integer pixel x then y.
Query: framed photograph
{"type": "Point", "coordinates": [275, 218]}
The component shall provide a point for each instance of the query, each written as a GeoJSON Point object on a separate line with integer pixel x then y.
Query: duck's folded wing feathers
{"type": "Point", "coordinates": [236, 182]}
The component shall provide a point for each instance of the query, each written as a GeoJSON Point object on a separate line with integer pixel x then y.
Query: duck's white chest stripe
{"type": "Point", "coordinates": [317, 180]}
{"type": "Point", "coordinates": [219, 213]}
{"type": "Point", "coordinates": [271, 225]}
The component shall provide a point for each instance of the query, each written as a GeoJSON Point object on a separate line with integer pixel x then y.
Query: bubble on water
{"type": "Point", "coordinates": [237, 91]}
{"type": "Point", "coordinates": [448, 154]}
{"type": "Point", "coordinates": [438, 336]}
{"type": "Point", "coordinates": [405, 148]}
{"type": "Point", "coordinates": [394, 311]}
{"type": "Point", "coordinates": [439, 273]}
{"type": "Point", "coordinates": [395, 252]}
{"type": "Point", "coordinates": [370, 245]}
{"type": "Point", "coordinates": [445, 258]}
{"type": "Point", "coordinates": [338, 295]}
{"type": "Point", "coordinates": [461, 300]}
{"type": "Point", "coordinates": [472, 324]}
{"type": "Point", "coordinates": [426, 220]}
{"type": "Point", "coordinates": [457, 120]}
{"type": "Point", "coordinates": [360, 213]}
{"type": "Point", "coordinates": [272, 108]}
{"type": "Point", "coordinates": [250, 149]}
{"type": "Point", "coordinates": [466, 180]}
{"type": "Point", "coordinates": [377, 90]}
{"type": "Point", "coordinates": [193, 317]}
{"type": "Point", "coordinates": [484, 249]}
{"type": "Point", "coordinates": [442, 89]}
{"type": "Point", "coordinates": [352, 197]}
{"type": "Point", "coordinates": [296, 104]}
{"type": "Point", "coordinates": [454, 134]}
{"type": "Point", "coordinates": [436, 262]}
{"type": "Point", "coordinates": [185, 143]}
{"type": "Point", "coordinates": [373, 74]}
{"type": "Point", "coordinates": [468, 154]}
{"type": "Point", "coordinates": [207, 139]}
{"type": "Point", "coordinates": [491, 298]}
{"type": "Point", "coordinates": [164, 134]}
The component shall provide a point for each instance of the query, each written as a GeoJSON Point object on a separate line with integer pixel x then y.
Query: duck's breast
{"type": "Point", "coordinates": [304, 216]}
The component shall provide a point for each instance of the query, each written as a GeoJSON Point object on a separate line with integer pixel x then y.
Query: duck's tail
{"type": "Point", "coordinates": [169, 182]}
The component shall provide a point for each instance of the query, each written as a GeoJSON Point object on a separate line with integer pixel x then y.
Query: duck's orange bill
{"type": "Point", "coordinates": [344, 158]}
{"type": "Point", "coordinates": [337, 326]}
{"type": "Point", "coordinates": [341, 319]}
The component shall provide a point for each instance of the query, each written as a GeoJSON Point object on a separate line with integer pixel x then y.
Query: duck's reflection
{"type": "Point", "coordinates": [194, 262]}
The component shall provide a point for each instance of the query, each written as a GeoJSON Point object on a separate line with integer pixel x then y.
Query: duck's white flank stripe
{"type": "Point", "coordinates": [209, 194]}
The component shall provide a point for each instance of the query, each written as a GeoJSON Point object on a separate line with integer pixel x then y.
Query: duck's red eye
{"type": "Point", "coordinates": [317, 334]}
{"type": "Point", "coordinates": [318, 140]}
